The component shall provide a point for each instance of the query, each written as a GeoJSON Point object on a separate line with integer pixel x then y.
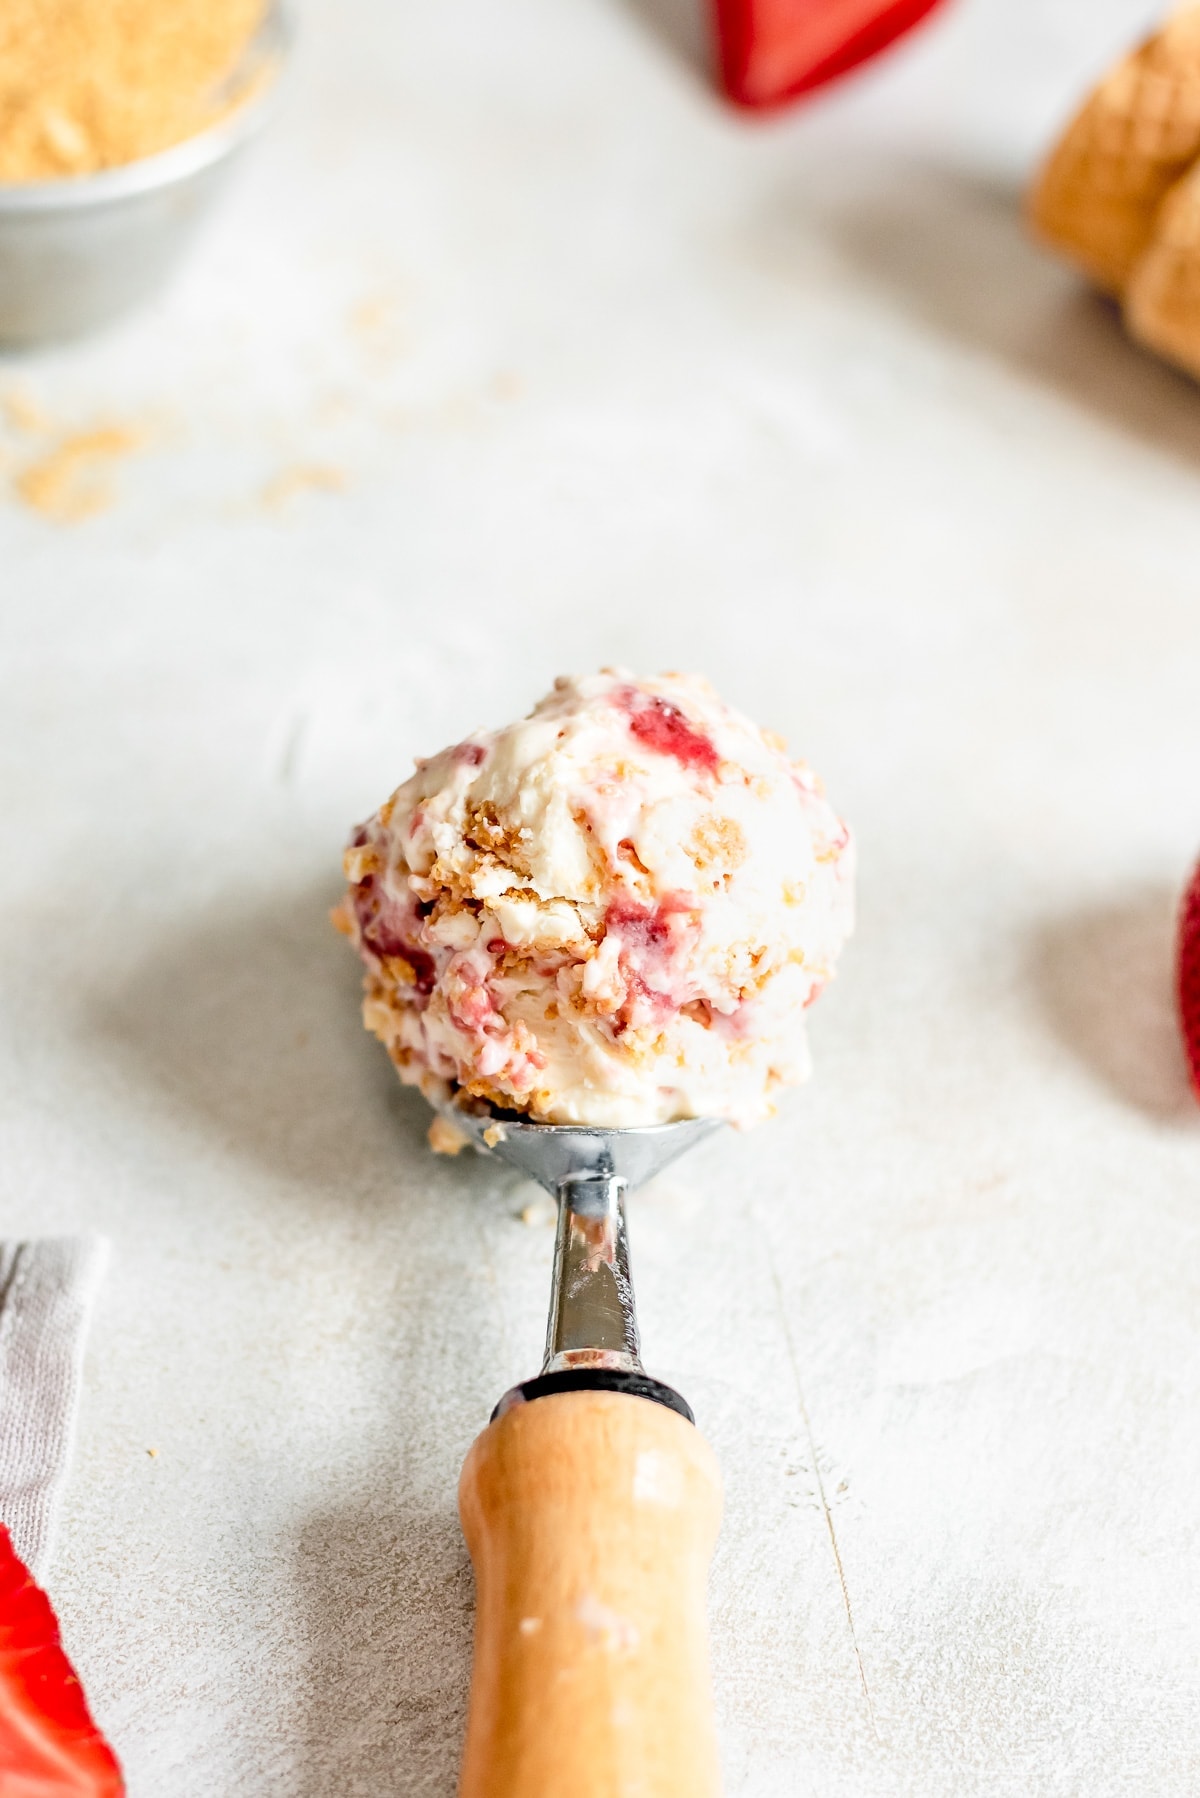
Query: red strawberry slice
{"type": "Point", "coordinates": [49, 1746]}
{"type": "Point", "coordinates": [1189, 977]}
{"type": "Point", "coordinates": [772, 50]}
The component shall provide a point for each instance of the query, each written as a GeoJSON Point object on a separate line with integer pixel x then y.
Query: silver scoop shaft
{"type": "Point", "coordinates": [593, 1318]}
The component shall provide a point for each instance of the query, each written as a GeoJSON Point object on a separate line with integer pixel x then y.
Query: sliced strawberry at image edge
{"type": "Point", "coordinates": [49, 1745]}
{"type": "Point", "coordinates": [1188, 977]}
{"type": "Point", "coordinates": [772, 51]}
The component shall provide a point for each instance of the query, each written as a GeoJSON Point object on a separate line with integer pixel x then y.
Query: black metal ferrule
{"type": "Point", "coordinates": [594, 1379]}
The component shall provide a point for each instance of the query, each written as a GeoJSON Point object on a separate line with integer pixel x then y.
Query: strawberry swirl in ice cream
{"type": "Point", "coordinates": [614, 912]}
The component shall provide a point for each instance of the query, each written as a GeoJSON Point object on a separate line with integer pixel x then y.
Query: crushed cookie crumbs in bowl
{"type": "Point", "coordinates": [119, 120]}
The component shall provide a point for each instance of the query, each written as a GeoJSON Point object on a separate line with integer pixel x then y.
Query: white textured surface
{"type": "Point", "coordinates": [795, 405]}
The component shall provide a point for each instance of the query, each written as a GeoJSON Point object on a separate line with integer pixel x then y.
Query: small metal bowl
{"type": "Point", "coordinates": [76, 252]}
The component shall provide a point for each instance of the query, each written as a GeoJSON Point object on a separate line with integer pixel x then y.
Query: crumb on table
{"type": "Point", "coordinates": [444, 1139]}
{"type": "Point", "coordinates": [315, 477]}
{"type": "Point", "coordinates": [68, 483]}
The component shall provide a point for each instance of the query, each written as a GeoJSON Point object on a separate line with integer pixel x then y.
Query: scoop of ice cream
{"type": "Point", "coordinates": [614, 912]}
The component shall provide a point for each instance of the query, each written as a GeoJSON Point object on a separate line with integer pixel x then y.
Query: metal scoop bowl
{"type": "Point", "coordinates": [592, 1323]}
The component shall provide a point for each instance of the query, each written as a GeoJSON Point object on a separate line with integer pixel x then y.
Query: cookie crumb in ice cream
{"type": "Point", "coordinates": [613, 912]}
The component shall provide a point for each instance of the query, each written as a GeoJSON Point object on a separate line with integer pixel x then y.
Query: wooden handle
{"type": "Point", "coordinates": [590, 1517]}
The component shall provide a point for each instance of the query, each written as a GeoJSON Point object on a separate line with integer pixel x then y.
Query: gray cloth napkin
{"type": "Point", "coordinates": [46, 1293]}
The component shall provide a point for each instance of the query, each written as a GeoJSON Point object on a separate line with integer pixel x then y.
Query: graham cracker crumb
{"type": "Point", "coordinates": [359, 861]}
{"type": "Point", "coordinates": [718, 840]}
{"type": "Point", "coordinates": [444, 1139]}
{"type": "Point", "coordinates": [93, 84]}
{"type": "Point", "coordinates": [303, 478]}
{"type": "Point", "coordinates": [22, 413]}
{"type": "Point", "coordinates": [68, 483]}
{"type": "Point", "coordinates": [341, 919]}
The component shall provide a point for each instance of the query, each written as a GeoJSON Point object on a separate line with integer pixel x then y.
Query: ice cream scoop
{"type": "Point", "coordinates": [589, 938]}
{"type": "Point", "coordinates": [590, 1505]}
